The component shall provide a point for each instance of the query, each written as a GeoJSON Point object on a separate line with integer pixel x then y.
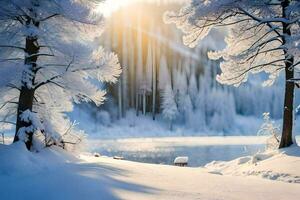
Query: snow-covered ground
{"type": "Point", "coordinates": [273, 164]}
{"type": "Point", "coordinates": [55, 174]}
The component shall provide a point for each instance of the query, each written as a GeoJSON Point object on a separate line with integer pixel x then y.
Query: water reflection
{"type": "Point", "coordinates": [165, 154]}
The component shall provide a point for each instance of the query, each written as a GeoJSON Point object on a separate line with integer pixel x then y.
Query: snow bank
{"type": "Point", "coordinates": [281, 165]}
{"type": "Point", "coordinates": [51, 174]}
{"type": "Point", "coordinates": [16, 160]}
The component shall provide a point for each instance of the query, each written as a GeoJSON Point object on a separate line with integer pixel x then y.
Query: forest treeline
{"type": "Point", "coordinates": [158, 70]}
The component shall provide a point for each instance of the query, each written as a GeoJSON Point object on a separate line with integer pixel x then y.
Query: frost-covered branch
{"type": "Point", "coordinates": [255, 32]}
{"type": "Point", "coordinates": [263, 36]}
{"type": "Point", "coordinates": [49, 33]}
{"type": "Point", "coordinates": [7, 122]}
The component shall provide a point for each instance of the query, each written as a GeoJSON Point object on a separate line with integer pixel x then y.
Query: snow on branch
{"type": "Point", "coordinates": [48, 49]}
{"type": "Point", "coordinates": [255, 39]}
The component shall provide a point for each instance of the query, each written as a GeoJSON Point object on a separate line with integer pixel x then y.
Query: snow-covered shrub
{"type": "Point", "coordinates": [70, 139]}
{"type": "Point", "coordinates": [270, 129]}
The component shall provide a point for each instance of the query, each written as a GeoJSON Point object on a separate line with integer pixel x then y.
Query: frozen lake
{"type": "Point", "coordinates": [200, 150]}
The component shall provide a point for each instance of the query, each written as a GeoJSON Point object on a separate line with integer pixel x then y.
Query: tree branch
{"type": "Point", "coordinates": [49, 17]}
{"type": "Point", "coordinates": [11, 46]}
{"type": "Point", "coordinates": [7, 122]}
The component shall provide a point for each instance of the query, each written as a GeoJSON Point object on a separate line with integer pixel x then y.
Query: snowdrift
{"type": "Point", "coordinates": [16, 160]}
{"type": "Point", "coordinates": [281, 165]}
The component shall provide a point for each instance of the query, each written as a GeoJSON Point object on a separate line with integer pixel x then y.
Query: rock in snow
{"type": "Point", "coordinates": [97, 154]}
{"type": "Point", "coordinates": [181, 161]}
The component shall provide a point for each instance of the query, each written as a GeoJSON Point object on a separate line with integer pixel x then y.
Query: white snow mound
{"type": "Point", "coordinates": [281, 165]}
{"type": "Point", "coordinates": [16, 160]}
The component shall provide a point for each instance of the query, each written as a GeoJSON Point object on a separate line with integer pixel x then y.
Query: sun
{"type": "Point", "coordinates": [109, 6]}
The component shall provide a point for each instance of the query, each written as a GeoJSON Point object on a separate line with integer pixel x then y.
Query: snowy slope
{"type": "Point", "coordinates": [54, 174]}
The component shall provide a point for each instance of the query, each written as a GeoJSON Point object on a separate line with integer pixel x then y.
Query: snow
{"type": "Point", "coordinates": [70, 68]}
{"type": "Point", "coordinates": [279, 165]}
{"type": "Point", "coordinates": [55, 174]}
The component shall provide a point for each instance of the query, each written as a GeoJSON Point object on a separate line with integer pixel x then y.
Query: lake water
{"type": "Point", "coordinates": [200, 150]}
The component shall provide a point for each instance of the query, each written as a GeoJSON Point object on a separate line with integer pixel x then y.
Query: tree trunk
{"type": "Point", "coordinates": [154, 86]}
{"type": "Point", "coordinates": [287, 127]}
{"type": "Point", "coordinates": [120, 98]}
{"type": "Point", "coordinates": [144, 101]}
{"type": "Point", "coordinates": [137, 102]}
{"type": "Point", "coordinates": [25, 103]}
{"type": "Point", "coordinates": [27, 91]}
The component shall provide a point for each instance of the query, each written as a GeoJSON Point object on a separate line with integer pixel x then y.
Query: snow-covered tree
{"type": "Point", "coordinates": [187, 109]}
{"type": "Point", "coordinates": [199, 121]}
{"type": "Point", "coordinates": [268, 128]}
{"type": "Point", "coordinates": [220, 110]}
{"type": "Point", "coordinates": [49, 59]}
{"type": "Point", "coordinates": [169, 107]}
{"type": "Point", "coordinates": [193, 90]}
{"type": "Point", "coordinates": [263, 36]}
